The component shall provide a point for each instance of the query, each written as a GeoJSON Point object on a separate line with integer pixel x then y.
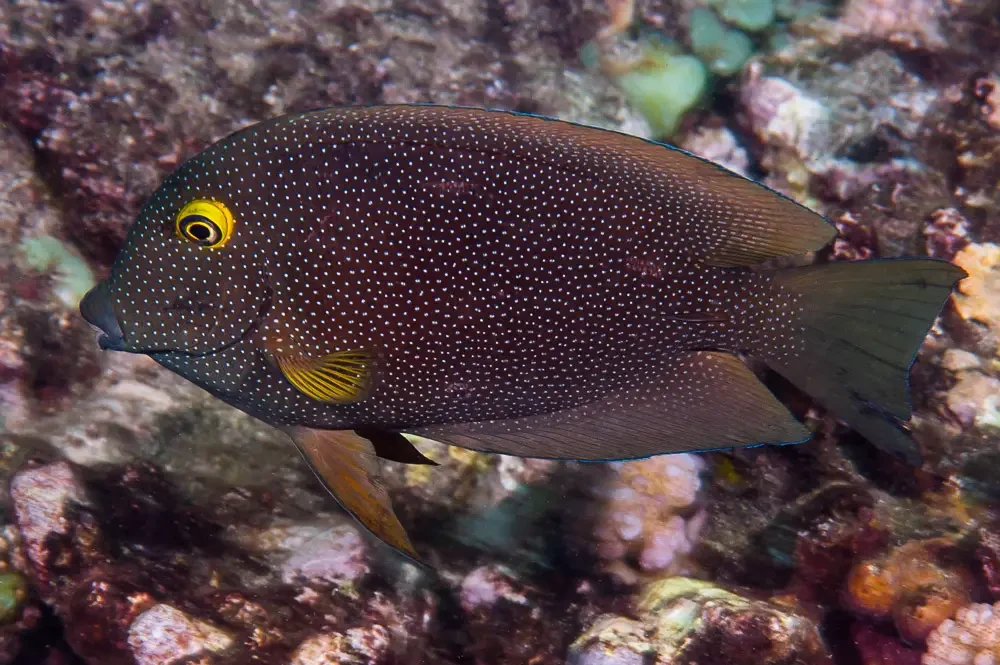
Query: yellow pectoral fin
{"type": "Point", "coordinates": [347, 465]}
{"type": "Point", "coordinates": [344, 376]}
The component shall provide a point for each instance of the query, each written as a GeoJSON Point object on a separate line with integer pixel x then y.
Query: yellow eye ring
{"type": "Point", "coordinates": [206, 223]}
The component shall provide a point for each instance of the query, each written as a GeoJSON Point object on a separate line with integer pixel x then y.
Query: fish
{"type": "Point", "coordinates": [508, 283]}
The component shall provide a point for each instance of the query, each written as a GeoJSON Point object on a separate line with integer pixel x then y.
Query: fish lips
{"type": "Point", "coordinates": [96, 309]}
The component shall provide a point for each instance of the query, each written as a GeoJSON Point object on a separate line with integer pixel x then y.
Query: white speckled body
{"type": "Point", "coordinates": [498, 265]}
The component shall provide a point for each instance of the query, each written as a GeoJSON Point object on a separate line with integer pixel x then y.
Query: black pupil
{"type": "Point", "coordinates": [199, 228]}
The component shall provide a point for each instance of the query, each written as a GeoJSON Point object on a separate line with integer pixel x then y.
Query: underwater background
{"type": "Point", "coordinates": [147, 523]}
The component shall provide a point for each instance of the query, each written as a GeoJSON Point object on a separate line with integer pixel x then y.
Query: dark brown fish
{"type": "Point", "coordinates": [505, 283]}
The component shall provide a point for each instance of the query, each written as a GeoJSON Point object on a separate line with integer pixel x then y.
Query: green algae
{"type": "Point", "coordinates": [51, 255]}
{"type": "Point", "coordinates": [13, 591]}
{"type": "Point", "coordinates": [752, 15]}
{"type": "Point", "coordinates": [724, 50]}
{"type": "Point", "coordinates": [664, 88]}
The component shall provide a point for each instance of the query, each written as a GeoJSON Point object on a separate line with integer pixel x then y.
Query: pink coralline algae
{"type": "Point", "coordinates": [914, 24]}
{"type": "Point", "coordinates": [43, 497]}
{"type": "Point", "coordinates": [163, 635]}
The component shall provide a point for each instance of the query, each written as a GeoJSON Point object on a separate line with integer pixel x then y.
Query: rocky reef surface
{"type": "Point", "coordinates": [146, 523]}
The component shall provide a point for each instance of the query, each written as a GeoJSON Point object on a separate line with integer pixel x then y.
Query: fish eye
{"type": "Point", "coordinates": [206, 223]}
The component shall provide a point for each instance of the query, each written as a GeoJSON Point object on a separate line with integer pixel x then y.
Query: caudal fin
{"type": "Point", "coordinates": [863, 324]}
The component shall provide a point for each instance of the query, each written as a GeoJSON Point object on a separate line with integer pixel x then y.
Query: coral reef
{"type": "Point", "coordinates": [149, 524]}
{"type": "Point", "coordinates": [177, 586]}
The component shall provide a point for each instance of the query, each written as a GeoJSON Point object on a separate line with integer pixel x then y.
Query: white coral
{"type": "Point", "coordinates": [971, 638]}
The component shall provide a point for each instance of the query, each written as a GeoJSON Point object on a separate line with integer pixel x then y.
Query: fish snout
{"type": "Point", "coordinates": [96, 309]}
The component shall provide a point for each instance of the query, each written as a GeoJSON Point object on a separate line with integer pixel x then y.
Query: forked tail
{"type": "Point", "coordinates": [862, 325]}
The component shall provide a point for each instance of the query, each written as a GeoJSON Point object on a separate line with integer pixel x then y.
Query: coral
{"type": "Point", "coordinates": [613, 640]}
{"type": "Point", "coordinates": [988, 557]}
{"type": "Point", "coordinates": [914, 585]}
{"type": "Point", "coordinates": [823, 122]}
{"type": "Point", "coordinates": [973, 398]}
{"type": "Point", "coordinates": [682, 620]}
{"type": "Point", "coordinates": [647, 514]}
{"type": "Point", "coordinates": [973, 637]}
{"type": "Point", "coordinates": [163, 635]}
{"type": "Point", "coordinates": [791, 122]}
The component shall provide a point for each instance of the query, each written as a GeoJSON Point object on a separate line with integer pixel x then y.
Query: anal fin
{"type": "Point", "coordinates": [705, 400]}
{"type": "Point", "coordinates": [347, 465]}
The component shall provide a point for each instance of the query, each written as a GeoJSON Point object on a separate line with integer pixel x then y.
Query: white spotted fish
{"type": "Point", "coordinates": [505, 283]}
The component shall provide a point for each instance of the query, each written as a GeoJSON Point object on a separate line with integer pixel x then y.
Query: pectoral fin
{"type": "Point", "coordinates": [343, 376]}
{"type": "Point", "coordinates": [347, 465]}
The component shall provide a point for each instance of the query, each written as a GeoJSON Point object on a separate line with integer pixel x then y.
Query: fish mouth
{"type": "Point", "coordinates": [97, 311]}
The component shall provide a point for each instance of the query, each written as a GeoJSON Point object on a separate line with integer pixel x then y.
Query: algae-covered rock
{"type": "Point", "coordinates": [356, 646]}
{"type": "Point", "coordinates": [683, 620]}
{"type": "Point", "coordinates": [913, 585]}
{"type": "Point", "coordinates": [163, 635]}
{"type": "Point", "coordinates": [47, 254]}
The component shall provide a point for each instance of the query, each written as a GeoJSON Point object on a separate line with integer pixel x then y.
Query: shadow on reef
{"type": "Point", "coordinates": [45, 643]}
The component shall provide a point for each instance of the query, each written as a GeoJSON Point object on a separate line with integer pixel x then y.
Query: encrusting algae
{"type": "Point", "coordinates": [504, 283]}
